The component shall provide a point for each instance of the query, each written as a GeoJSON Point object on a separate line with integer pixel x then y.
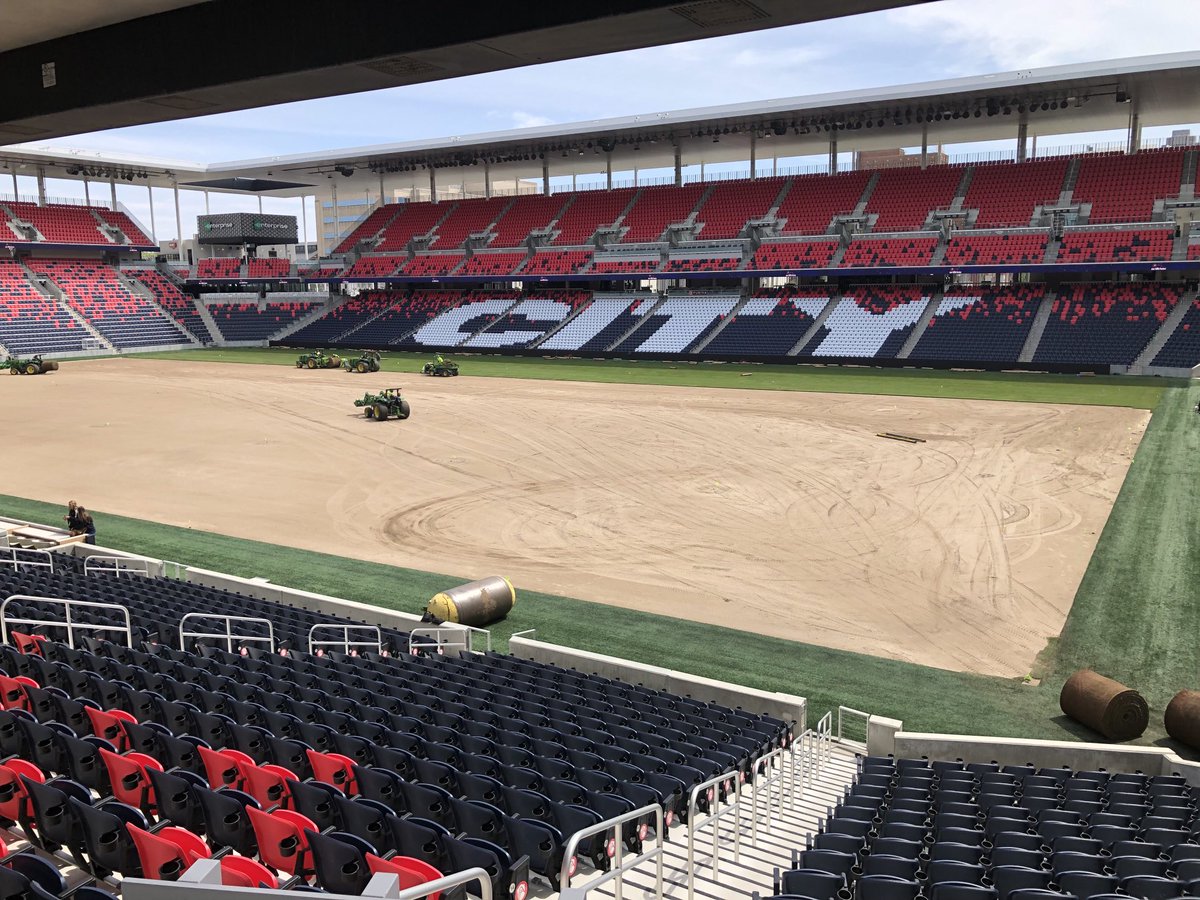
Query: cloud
{"type": "Point", "coordinates": [1032, 33]}
{"type": "Point", "coordinates": [523, 119]}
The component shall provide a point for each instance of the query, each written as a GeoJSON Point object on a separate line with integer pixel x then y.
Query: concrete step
{"type": "Point", "coordinates": [721, 327]}
{"type": "Point", "coordinates": [634, 327]}
{"type": "Point", "coordinates": [922, 323]}
{"type": "Point", "coordinates": [737, 869]}
{"type": "Point", "coordinates": [1165, 331]}
{"type": "Point", "coordinates": [1035, 331]}
{"type": "Point", "coordinates": [815, 326]}
{"type": "Point", "coordinates": [861, 207]}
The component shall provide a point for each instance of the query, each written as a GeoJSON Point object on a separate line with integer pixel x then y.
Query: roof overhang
{"type": "Point", "coordinates": [1076, 99]}
{"type": "Point", "coordinates": [156, 60]}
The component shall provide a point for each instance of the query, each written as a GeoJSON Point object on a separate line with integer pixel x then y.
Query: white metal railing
{"type": "Point", "coordinates": [782, 760]}
{"type": "Point", "coordinates": [345, 643]}
{"type": "Point", "coordinates": [715, 813]}
{"type": "Point", "coordinates": [20, 558]}
{"type": "Point", "coordinates": [228, 635]}
{"type": "Point", "coordinates": [115, 565]}
{"type": "Point", "coordinates": [614, 847]}
{"type": "Point", "coordinates": [845, 714]}
{"type": "Point", "coordinates": [440, 637]}
{"type": "Point", "coordinates": [202, 881]}
{"type": "Point", "coordinates": [67, 621]}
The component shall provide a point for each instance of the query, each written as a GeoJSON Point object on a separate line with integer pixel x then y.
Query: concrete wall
{"type": "Point", "coordinates": [1020, 751]}
{"type": "Point", "coordinates": [784, 706]}
{"type": "Point", "coordinates": [263, 589]}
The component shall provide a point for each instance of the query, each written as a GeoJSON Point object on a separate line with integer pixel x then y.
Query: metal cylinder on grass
{"type": "Point", "coordinates": [477, 603]}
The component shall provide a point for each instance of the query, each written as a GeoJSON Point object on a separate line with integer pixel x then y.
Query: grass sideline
{"type": "Point", "coordinates": [1131, 617]}
{"type": "Point", "coordinates": [827, 677]}
{"type": "Point", "coordinates": [1029, 387]}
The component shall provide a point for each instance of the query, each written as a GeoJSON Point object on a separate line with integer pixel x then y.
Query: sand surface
{"type": "Point", "coordinates": [777, 512]}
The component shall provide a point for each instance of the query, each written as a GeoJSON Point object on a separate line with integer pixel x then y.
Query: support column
{"type": "Point", "coordinates": [833, 152]}
{"type": "Point", "coordinates": [41, 186]}
{"type": "Point", "coordinates": [774, 166]}
{"type": "Point", "coordinates": [260, 204]}
{"type": "Point", "coordinates": [753, 155]}
{"type": "Point", "coordinates": [635, 184]}
{"type": "Point", "coordinates": [487, 179]}
{"type": "Point", "coordinates": [112, 191]}
{"type": "Point", "coordinates": [925, 145]}
{"type": "Point", "coordinates": [304, 222]}
{"type": "Point", "coordinates": [1134, 143]}
{"type": "Point", "coordinates": [87, 194]}
{"type": "Point", "coordinates": [153, 226]}
{"type": "Point", "coordinates": [607, 169]}
{"type": "Point", "coordinates": [701, 173]}
{"type": "Point", "coordinates": [382, 198]}
{"type": "Point", "coordinates": [678, 166]}
{"type": "Point", "coordinates": [178, 220]}
{"type": "Point", "coordinates": [206, 209]}
{"type": "Point", "coordinates": [573, 187]}
{"type": "Point", "coordinates": [1033, 147]}
{"type": "Point", "coordinates": [16, 194]}
{"type": "Point", "coordinates": [545, 176]}
{"type": "Point", "coordinates": [433, 198]}
{"type": "Point", "coordinates": [1023, 138]}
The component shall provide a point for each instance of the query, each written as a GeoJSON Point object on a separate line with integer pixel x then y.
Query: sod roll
{"type": "Point", "coordinates": [1104, 705]}
{"type": "Point", "coordinates": [1182, 718]}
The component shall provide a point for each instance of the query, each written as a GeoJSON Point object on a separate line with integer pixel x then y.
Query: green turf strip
{"type": "Point", "coordinates": [1134, 616]}
{"type": "Point", "coordinates": [1139, 393]}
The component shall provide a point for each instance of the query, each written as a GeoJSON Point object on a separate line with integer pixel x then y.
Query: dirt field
{"type": "Point", "coordinates": [767, 511]}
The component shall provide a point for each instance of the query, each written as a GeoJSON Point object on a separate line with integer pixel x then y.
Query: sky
{"type": "Point", "coordinates": [943, 39]}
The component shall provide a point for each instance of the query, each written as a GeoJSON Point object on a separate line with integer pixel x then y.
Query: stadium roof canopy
{"type": "Point", "coordinates": [1094, 97]}
{"type": "Point", "coordinates": [74, 66]}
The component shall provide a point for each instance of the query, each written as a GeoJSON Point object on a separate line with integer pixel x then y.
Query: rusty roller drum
{"type": "Point", "coordinates": [1182, 718]}
{"type": "Point", "coordinates": [477, 603]}
{"type": "Point", "coordinates": [1104, 705]}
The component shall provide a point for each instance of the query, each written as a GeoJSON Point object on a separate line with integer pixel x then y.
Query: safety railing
{"type": "Point", "coordinates": [614, 846]}
{"type": "Point", "coordinates": [345, 643]}
{"type": "Point", "coordinates": [68, 621]}
{"type": "Point", "coordinates": [116, 565]}
{"type": "Point", "coordinates": [228, 635]}
{"type": "Point", "coordinates": [716, 811]}
{"type": "Point", "coordinates": [19, 558]}
{"type": "Point", "coordinates": [174, 570]}
{"type": "Point", "coordinates": [440, 638]}
{"type": "Point", "coordinates": [773, 786]}
{"type": "Point", "coordinates": [846, 715]}
{"type": "Point", "coordinates": [203, 881]}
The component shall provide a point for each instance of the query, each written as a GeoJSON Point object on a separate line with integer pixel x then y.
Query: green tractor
{"type": "Point", "coordinates": [318, 359]}
{"type": "Point", "coordinates": [440, 367]}
{"type": "Point", "coordinates": [367, 362]}
{"type": "Point", "coordinates": [34, 366]}
{"type": "Point", "coordinates": [386, 404]}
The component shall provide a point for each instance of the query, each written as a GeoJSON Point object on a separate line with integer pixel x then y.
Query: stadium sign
{"type": "Point", "coordinates": [234, 229]}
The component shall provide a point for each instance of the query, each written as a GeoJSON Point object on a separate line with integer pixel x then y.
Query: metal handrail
{"type": "Point", "coordinates": [848, 711]}
{"type": "Point", "coordinates": [206, 873]}
{"type": "Point", "coordinates": [229, 637]}
{"type": "Point", "coordinates": [90, 566]}
{"type": "Point", "coordinates": [37, 563]}
{"type": "Point", "coordinates": [620, 865]}
{"type": "Point", "coordinates": [715, 812]}
{"type": "Point", "coordinates": [435, 632]}
{"type": "Point", "coordinates": [785, 777]}
{"type": "Point", "coordinates": [67, 605]}
{"type": "Point", "coordinates": [345, 642]}
{"type": "Point", "coordinates": [466, 876]}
